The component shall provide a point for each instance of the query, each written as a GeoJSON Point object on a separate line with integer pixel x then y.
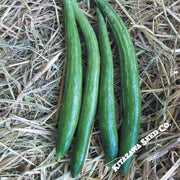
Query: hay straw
{"type": "Point", "coordinates": [32, 70]}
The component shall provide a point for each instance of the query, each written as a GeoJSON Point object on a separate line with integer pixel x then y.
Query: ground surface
{"type": "Point", "coordinates": [32, 61]}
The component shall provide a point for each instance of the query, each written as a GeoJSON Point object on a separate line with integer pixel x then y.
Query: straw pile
{"type": "Point", "coordinates": [32, 63]}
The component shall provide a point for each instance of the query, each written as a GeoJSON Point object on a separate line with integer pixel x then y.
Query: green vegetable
{"type": "Point", "coordinates": [130, 88]}
{"type": "Point", "coordinates": [106, 106]}
{"type": "Point", "coordinates": [90, 94]}
{"type": "Point", "coordinates": [71, 105]}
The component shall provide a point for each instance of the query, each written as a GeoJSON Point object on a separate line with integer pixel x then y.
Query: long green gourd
{"type": "Point", "coordinates": [69, 114]}
{"type": "Point", "coordinates": [106, 106]}
{"type": "Point", "coordinates": [130, 87]}
{"type": "Point", "coordinates": [90, 94]}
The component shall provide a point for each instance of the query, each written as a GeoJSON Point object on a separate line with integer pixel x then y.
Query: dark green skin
{"type": "Point", "coordinates": [130, 87]}
{"type": "Point", "coordinates": [90, 94]}
{"type": "Point", "coordinates": [106, 106]}
{"type": "Point", "coordinates": [71, 104]}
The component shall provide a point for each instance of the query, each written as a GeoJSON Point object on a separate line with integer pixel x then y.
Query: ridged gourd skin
{"type": "Point", "coordinates": [106, 105]}
{"type": "Point", "coordinates": [130, 87]}
{"type": "Point", "coordinates": [90, 93]}
{"type": "Point", "coordinates": [71, 104]}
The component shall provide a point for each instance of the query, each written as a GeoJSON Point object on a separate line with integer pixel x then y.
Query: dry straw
{"type": "Point", "coordinates": [32, 62]}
